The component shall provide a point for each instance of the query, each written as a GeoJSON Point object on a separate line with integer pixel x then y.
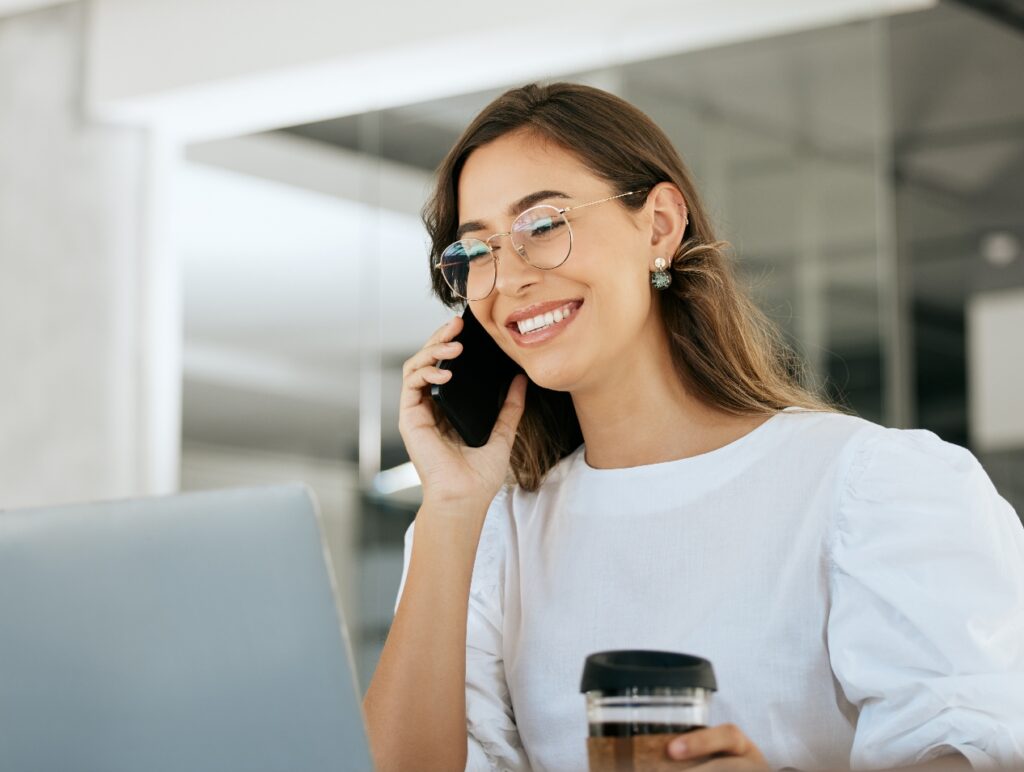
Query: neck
{"type": "Point", "coordinates": [644, 414]}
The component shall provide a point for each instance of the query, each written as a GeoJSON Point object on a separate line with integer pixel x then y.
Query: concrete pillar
{"type": "Point", "coordinates": [81, 298]}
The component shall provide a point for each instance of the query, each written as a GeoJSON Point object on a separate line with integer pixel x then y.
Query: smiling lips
{"type": "Point", "coordinates": [543, 325]}
{"type": "Point", "coordinates": [541, 321]}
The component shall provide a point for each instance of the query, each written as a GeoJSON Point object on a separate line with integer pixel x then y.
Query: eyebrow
{"type": "Point", "coordinates": [514, 209]}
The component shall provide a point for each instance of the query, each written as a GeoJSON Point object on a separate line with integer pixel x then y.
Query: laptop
{"type": "Point", "coordinates": [185, 633]}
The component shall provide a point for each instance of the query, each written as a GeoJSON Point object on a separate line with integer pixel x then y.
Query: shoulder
{"type": "Point", "coordinates": [496, 532]}
{"type": "Point", "coordinates": [863, 447]}
{"type": "Point", "coordinates": [493, 554]}
{"type": "Point", "coordinates": [819, 427]}
{"type": "Point", "coordinates": [888, 463]}
{"type": "Point", "coordinates": [911, 487]}
{"type": "Point", "coordinates": [498, 521]}
{"type": "Point", "coordinates": [815, 443]}
{"type": "Point", "coordinates": [885, 475]}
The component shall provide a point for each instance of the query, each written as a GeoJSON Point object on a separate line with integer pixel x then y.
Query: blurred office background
{"type": "Point", "coordinates": [212, 266]}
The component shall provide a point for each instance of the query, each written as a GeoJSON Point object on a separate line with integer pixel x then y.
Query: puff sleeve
{"type": "Point", "coordinates": [926, 621]}
{"type": "Point", "coordinates": [493, 738]}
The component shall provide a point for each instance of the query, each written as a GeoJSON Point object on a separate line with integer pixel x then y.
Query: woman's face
{"type": "Point", "coordinates": [605, 281]}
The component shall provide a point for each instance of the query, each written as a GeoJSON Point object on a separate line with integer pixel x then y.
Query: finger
{"type": "Point", "coordinates": [446, 332]}
{"type": "Point", "coordinates": [511, 412]}
{"type": "Point", "coordinates": [431, 354]}
{"type": "Point", "coordinates": [415, 382]}
{"type": "Point", "coordinates": [726, 764]}
{"type": "Point", "coordinates": [725, 738]}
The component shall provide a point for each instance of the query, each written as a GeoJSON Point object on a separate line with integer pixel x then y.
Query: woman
{"type": "Point", "coordinates": [860, 590]}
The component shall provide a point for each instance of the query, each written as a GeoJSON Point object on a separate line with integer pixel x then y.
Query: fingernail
{"type": "Point", "coordinates": [677, 748]}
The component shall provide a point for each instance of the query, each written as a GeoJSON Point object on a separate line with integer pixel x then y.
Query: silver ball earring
{"type": "Point", "coordinates": [660, 277]}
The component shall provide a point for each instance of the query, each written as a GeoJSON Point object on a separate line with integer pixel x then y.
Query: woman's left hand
{"type": "Point", "coordinates": [729, 748]}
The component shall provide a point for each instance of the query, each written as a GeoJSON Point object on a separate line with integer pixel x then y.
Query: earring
{"type": "Point", "coordinates": [661, 278]}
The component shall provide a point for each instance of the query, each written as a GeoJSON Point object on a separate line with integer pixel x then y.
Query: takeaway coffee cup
{"type": "Point", "coordinates": [637, 700]}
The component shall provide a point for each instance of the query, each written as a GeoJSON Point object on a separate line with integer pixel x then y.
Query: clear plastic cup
{"type": "Point", "coordinates": [637, 700]}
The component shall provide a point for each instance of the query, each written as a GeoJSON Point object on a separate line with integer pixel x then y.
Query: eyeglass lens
{"type": "Point", "coordinates": [540, 235]}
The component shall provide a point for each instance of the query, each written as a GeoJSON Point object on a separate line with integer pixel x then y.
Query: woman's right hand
{"type": "Point", "coordinates": [449, 470]}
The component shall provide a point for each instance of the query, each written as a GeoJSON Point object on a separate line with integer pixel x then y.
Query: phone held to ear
{"type": "Point", "coordinates": [481, 374]}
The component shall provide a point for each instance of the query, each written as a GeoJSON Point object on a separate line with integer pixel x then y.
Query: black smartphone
{"type": "Point", "coordinates": [481, 375]}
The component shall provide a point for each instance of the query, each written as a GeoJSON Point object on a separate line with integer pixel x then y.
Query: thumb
{"type": "Point", "coordinates": [511, 411]}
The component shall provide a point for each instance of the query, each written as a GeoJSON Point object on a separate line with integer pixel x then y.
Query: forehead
{"type": "Point", "coordinates": [513, 166]}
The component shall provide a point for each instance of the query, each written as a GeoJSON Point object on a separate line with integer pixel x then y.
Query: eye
{"type": "Point", "coordinates": [476, 251]}
{"type": "Point", "coordinates": [543, 226]}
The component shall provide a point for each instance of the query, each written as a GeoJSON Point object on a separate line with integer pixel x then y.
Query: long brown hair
{"type": "Point", "coordinates": [725, 350]}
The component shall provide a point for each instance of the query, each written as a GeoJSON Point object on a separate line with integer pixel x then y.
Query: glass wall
{"type": "Point", "coordinates": [861, 173]}
{"type": "Point", "coordinates": [785, 137]}
{"type": "Point", "coordinates": [958, 185]}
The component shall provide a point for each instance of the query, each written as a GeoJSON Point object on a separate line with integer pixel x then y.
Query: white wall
{"type": "Point", "coordinates": [209, 69]}
{"type": "Point", "coordinates": [78, 306]}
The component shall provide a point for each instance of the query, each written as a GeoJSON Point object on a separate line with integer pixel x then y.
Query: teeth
{"type": "Point", "coordinates": [545, 320]}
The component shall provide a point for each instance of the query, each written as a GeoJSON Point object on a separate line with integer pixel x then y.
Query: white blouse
{"type": "Point", "coordinates": [859, 591]}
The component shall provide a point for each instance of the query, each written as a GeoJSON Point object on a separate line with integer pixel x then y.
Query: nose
{"type": "Point", "coordinates": [514, 274]}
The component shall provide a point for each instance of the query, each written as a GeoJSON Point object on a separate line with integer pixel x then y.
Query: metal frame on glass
{"type": "Point", "coordinates": [559, 211]}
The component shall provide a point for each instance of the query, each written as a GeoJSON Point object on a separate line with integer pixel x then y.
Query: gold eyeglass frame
{"type": "Point", "coordinates": [562, 211]}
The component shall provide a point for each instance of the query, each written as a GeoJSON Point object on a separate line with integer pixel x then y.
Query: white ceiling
{"type": "Point", "coordinates": [10, 7]}
{"type": "Point", "coordinates": [285, 62]}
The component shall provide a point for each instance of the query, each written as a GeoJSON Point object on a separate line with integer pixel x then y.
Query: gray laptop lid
{"type": "Point", "coordinates": [194, 632]}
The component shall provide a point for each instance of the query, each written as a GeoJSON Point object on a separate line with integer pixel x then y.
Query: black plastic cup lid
{"type": "Point", "coordinates": [642, 668]}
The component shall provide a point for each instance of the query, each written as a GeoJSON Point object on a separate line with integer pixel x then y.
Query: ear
{"type": "Point", "coordinates": [669, 217]}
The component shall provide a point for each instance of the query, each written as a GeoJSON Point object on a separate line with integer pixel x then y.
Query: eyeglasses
{"type": "Point", "coordinates": [541, 236]}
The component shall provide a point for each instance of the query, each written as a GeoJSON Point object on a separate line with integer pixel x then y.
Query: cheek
{"type": "Point", "coordinates": [611, 252]}
{"type": "Point", "coordinates": [619, 313]}
{"type": "Point", "coordinates": [613, 267]}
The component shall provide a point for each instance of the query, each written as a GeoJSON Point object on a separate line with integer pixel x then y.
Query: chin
{"type": "Point", "coordinates": [561, 377]}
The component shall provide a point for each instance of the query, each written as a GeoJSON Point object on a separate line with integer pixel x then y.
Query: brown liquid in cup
{"type": "Point", "coordinates": [621, 747]}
